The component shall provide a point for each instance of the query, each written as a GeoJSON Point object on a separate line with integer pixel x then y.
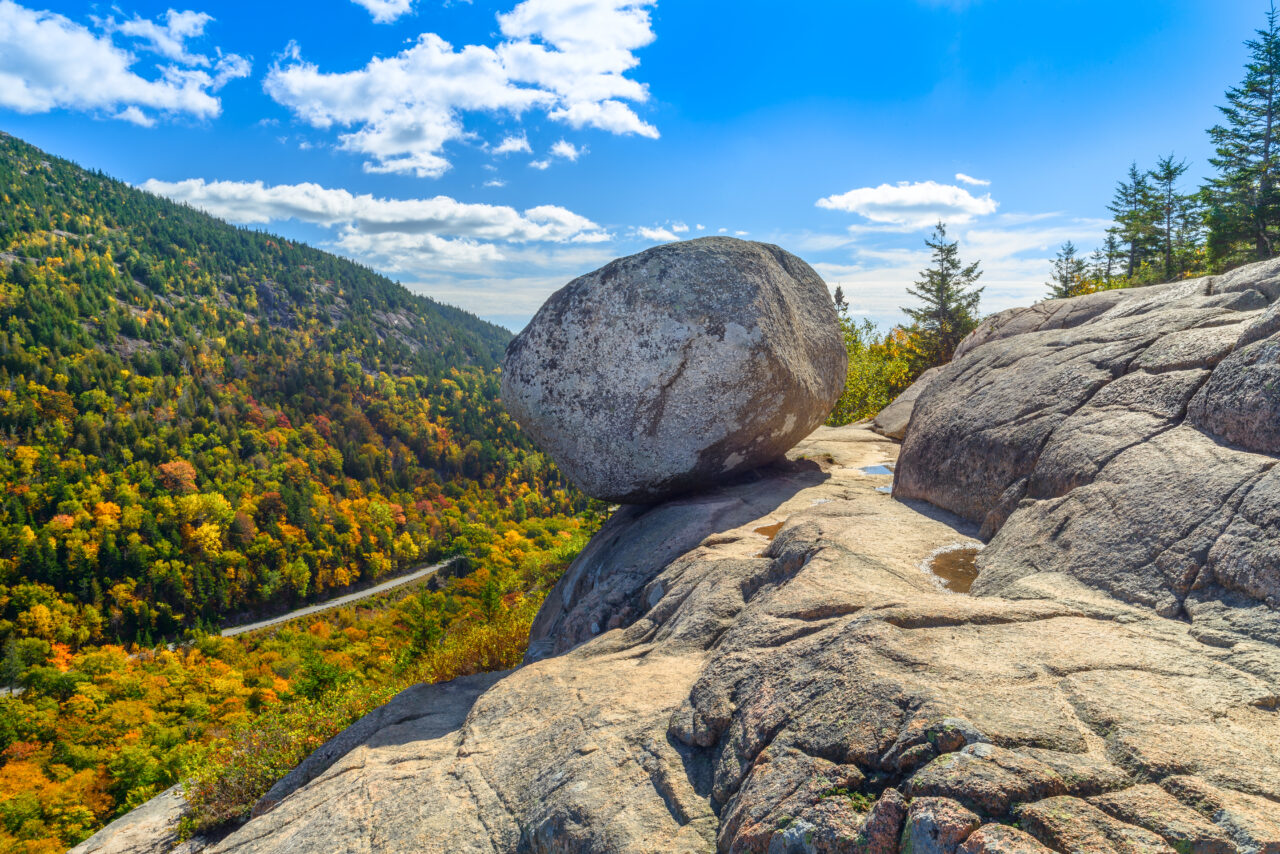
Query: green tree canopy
{"type": "Point", "coordinates": [948, 291]}
{"type": "Point", "coordinates": [1069, 273]}
{"type": "Point", "coordinates": [1243, 201]}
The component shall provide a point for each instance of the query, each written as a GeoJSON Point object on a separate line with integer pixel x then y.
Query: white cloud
{"type": "Point", "coordinates": [1044, 240]}
{"type": "Point", "coordinates": [660, 235]}
{"type": "Point", "coordinates": [741, 233]}
{"type": "Point", "coordinates": [252, 202]}
{"type": "Point", "coordinates": [170, 38]}
{"type": "Point", "coordinates": [230, 67]}
{"type": "Point", "coordinates": [566, 149]}
{"type": "Point", "coordinates": [48, 62]}
{"type": "Point", "coordinates": [512, 144]}
{"type": "Point", "coordinates": [679, 227]}
{"type": "Point", "coordinates": [700, 227]}
{"type": "Point", "coordinates": [495, 182]}
{"type": "Point", "coordinates": [969, 179]}
{"type": "Point", "coordinates": [566, 58]}
{"type": "Point", "coordinates": [395, 235]}
{"type": "Point", "coordinates": [912, 205]}
{"type": "Point", "coordinates": [490, 259]}
{"type": "Point", "coordinates": [540, 164]}
{"type": "Point", "coordinates": [386, 11]}
{"type": "Point", "coordinates": [133, 114]}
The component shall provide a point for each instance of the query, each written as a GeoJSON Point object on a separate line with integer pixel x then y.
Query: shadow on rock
{"type": "Point", "coordinates": [608, 585]}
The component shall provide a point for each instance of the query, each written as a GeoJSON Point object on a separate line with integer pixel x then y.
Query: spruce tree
{"type": "Point", "coordinates": [1068, 279]}
{"type": "Point", "coordinates": [1135, 214]}
{"type": "Point", "coordinates": [842, 304]}
{"type": "Point", "coordinates": [950, 299]}
{"type": "Point", "coordinates": [1244, 203]}
{"type": "Point", "coordinates": [1105, 259]}
{"type": "Point", "coordinates": [1174, 211]}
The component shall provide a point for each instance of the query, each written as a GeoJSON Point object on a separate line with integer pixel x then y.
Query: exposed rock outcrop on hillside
{"type": "Point", "coordinates": [1126, 439]}
{"type": "Point", "coordinates": [768, 667]}
{"type": "Point", "coordinates": [677, 368]}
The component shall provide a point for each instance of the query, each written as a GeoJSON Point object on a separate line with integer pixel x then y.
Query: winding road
{"type": "Point", "coordinates": [338, 602]}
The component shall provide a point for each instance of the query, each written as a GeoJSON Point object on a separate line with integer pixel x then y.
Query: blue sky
{"type": "Point", "coordinates": [486, 153]}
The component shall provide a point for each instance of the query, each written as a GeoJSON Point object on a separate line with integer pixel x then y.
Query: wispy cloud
{"type": "Point", "coordinates": [567, 150]}
{"type": "Point", "coordinates": [657, 235]}
{"type": "Point", "coordinates": [970, 180]}
{"type": "Point", "coordinates": [512, 144]}
{"type": "Point", "coordinates": [1014, 250]}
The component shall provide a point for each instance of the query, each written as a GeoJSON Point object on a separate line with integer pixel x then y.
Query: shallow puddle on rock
{"type": "Point", "coordinates": [879, 471]}
{"type": "Point", "coordinates": [954, 567]}
{"type": "Point", "coordinates": [770, 531]}
{"type": "Point", "coordinates": [887, 490]}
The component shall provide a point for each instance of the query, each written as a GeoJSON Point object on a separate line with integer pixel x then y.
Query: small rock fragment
{"type": "Point", "coordinates": [1001, 839]}
{"type": "Point", "coordinates": [987, 779]}
{"type": "Point", "coordinates": [936, 826]}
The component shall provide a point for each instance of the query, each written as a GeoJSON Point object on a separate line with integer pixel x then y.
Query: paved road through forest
{"type": "Point", "coordinates": [399, 581]}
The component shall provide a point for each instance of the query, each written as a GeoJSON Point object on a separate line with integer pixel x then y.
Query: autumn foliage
{"type": "Point", "coordinates": [202, 424]}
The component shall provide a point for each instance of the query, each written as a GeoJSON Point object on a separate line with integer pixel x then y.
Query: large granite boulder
{"type": "Point", "coordinates": [677, 368]}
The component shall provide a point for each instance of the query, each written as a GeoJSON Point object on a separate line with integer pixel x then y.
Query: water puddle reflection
{"type": "Point", "coordinates": [953, 567]}
{"type": "Point", "coordinates": [878, 471]}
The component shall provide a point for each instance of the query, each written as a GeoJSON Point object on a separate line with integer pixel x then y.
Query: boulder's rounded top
{"type": "Point", "coordinates": [677, 368]}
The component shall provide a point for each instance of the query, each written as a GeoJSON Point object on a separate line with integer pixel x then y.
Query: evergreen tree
{"type": "Point", "coordinates": [1175, 211]}
{"type": "Point", "coordinates": [1069, 269]}
{"type": "Point", "coordinates": [842, 304]}
{"type": "Point", "coordinates": [1135, 214]}
{"type": "Point", "coordinates": [1105, 259]}
{"type": "Point", "coordinates": [1244, 203]}
{"type": "Point", "coordinates": [949, 296]}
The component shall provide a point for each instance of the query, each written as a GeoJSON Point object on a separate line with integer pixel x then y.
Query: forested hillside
{"type": "Point", "coordinates": [200, 423]}
{"type": "Point", "coordinates": [201, 420]}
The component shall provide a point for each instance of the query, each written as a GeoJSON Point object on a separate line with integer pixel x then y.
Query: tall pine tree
{"type": "Point", "coordinates": [1244, 203]}
{"type": "Point", "coordinates": [1069, 269]}
{"type": "Point", "coordinates": [1175, 214]}
{"type": "Point", "coordinates": [1105, 259]}
{"type": "Point", "coordinates": [1135, 214]}
{"type": "Point", "coordinates": [950, 299]}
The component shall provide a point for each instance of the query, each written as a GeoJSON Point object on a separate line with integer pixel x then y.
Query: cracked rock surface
{"type": "Point", "coordinates": [1125, 439]}
{"type": "Point", "coordinates": [817, 692]}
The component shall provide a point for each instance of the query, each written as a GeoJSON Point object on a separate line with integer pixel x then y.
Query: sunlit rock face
{"type": "Point", "coordinates": [677, 368]}
{"type": "Point", "coordinates": [1127, 439]}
